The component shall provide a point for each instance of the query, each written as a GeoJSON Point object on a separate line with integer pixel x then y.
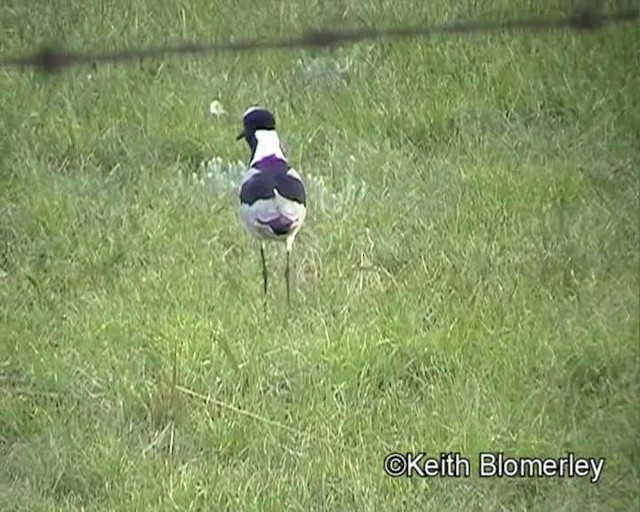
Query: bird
{"type": "Point", "coordinates": [273, 199]}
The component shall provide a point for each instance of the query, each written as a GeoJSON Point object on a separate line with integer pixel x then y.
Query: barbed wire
{"type": "Point", "coordinates": [52, 60]}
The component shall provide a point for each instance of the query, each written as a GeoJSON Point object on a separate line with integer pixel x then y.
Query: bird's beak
{"type": "Point", "coordinates": [240, 136]}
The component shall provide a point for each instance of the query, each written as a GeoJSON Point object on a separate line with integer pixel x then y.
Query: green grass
{"type": "Point", "coordinates": [482, 296]}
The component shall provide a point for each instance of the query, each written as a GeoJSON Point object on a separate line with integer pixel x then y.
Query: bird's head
{"type": "Point", "coordinates": [254, 119]}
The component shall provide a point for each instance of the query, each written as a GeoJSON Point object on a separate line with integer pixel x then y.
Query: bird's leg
{"type": "Point", "coordinates": [264, 272]}
{"type": "Point", "coordinates": [287, 277]}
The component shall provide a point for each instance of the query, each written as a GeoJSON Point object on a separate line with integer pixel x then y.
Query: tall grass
{"type": "Point", "coordinates": [468, 279]}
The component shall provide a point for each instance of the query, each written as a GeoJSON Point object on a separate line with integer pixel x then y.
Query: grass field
{"type": "Point", "coordinates": [467, 281]}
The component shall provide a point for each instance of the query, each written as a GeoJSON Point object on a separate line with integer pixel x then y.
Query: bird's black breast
{"type": "Point", "coordinates": [272, 174]}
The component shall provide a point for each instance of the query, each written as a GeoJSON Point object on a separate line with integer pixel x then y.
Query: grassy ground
{"type": "Point", "coordinates": [468, 279]}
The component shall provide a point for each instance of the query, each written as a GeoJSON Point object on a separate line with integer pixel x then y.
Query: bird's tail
{"type": "Point", "coordinates": [280, 225]}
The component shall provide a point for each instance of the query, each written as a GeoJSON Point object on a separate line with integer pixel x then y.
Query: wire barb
{"type": "Point", "coordinates": [589, 18]}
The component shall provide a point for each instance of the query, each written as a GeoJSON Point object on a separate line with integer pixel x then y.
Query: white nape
{"type": "Point", "coordinates": [268, 144]}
